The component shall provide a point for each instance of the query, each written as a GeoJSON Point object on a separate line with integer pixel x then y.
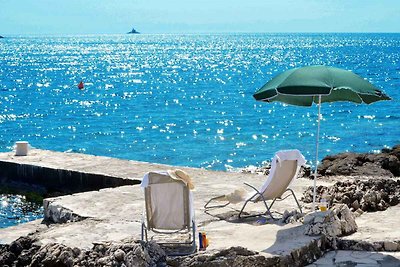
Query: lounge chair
{"type": "Point", "coordinates": [285, 167]}
{"type": "Point", "coordinates": [169, 211]}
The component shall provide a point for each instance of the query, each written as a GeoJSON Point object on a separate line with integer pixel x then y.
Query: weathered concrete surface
{"type": "Point", "coordinates": [378, 226]}
{"type": "Point", "coordinates": [114, 214]}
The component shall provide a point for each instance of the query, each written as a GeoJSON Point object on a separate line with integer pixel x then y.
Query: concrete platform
{"type": "Point", "coordinates": [115, 214]}
{"type": "Point", "coordinates": [378, 226]}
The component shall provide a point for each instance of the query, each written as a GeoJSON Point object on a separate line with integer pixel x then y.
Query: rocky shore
{"type": "Point", "coordinates": [365, 195]}
{"type": "Point", "coordinates": [25, 252]}
{"type": "Point", "coordinates": [384, 164]}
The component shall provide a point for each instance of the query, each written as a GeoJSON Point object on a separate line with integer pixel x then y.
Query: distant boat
{"type": "Point", "coordinates": [133, 31]}
{"type": "Point", "coordinates": [1, 37]}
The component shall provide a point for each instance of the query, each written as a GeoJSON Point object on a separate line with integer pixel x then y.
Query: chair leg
{"type": "Point", "coordinates": [273, 201]}
{"type": "Point", "coordinates": [244, 205]}
{"type": "Point", "coordinates": [295, 198]}
{"type": "Point", "coordinates": [194, 246]}
{"type": "Point", "coordinates": [266, 206]}
{"type": "Point", "coordinates": [206, 206]}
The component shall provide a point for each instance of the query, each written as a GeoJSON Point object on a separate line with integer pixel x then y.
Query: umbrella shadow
{"type": "Point", "coordinates": [255, 219]}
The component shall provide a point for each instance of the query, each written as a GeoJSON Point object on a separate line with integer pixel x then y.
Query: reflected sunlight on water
{"type": "Point", "coordinates": [187, 99]}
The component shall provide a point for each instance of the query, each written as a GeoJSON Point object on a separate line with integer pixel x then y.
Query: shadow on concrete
{"type": "Point", "coordinates": [231, 216]}
{"type": "Point", "coordinates": [389, 261]}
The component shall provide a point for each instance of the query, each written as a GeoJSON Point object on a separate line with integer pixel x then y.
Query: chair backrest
{"type": "Point", "coordinates": [285, 168]}
{"type": "Point", "coordinates": [284, 174]}
{"type": "Point", "coordinates": [168, 203]}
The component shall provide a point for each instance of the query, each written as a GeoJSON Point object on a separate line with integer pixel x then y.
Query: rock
{"type": "Point", "coordinates": [7, 258]}
{"type": "Point", "coordinates": [347, 219]}
{"type": "Point", "coordinates": [358, 212]}
{"type": "Point", "coordinates": [156, 253]}
{"type": "Point", "coordinates": [390, 246]}
{"type": "Point", "coordinates": [234, 256]}
{"type": "Point", "coordinates": [291, 217]}
{"type": "Point", "coordinates": [355, 245]}
{"type": "Point", "coordinates": [368, 195]}
{"type": "Point", "coordinates": [137, 257]}
{"type": "Point", "coordinates": [54, 213]}
{"type": "Point", "coordinates": [131, 253]}
{"type": "Point", "coordinates": [24, 259]}
{"type": "Point", "coordinates": [119, 255]}
{"type": "Point", "coordinates": [103, 261]}
{"type": "Point", "coordinates": [355, 205]}
{"type": "Point", "coordinates": [385, 164]}
{"type": "Point", "coordinates": [16, 247]}
{"type": "Point", "coordinates": [309, 218]}
{"type": "Point", "coordinates": [336, 222]}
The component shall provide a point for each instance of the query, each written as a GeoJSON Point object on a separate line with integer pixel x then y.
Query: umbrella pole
{"type": "Point", "coordinates": [316, 154]}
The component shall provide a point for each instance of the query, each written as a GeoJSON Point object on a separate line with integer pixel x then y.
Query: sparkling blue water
{"type": "Point", "coordinates": [14, 209]}
{"type": "Point", "coordinates": [187, 99]}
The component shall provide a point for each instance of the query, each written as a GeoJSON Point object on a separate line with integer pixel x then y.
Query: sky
{"type": "Point", "coordinates": [200, 16]}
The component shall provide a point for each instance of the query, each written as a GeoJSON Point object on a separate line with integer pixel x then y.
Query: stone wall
{"type": "Point", "coordinates": [367, 195]}
{"type": "Point", "coordinates": [58, 180]}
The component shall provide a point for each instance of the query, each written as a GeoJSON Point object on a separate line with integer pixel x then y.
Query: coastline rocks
{"type": "Point", "coordinates": [239, 256]}
{"type": "Point", "coordinates": [361, 245]}
{"type": "Point", "coordinates": [367, 195]}
{"type": "Point", "coordinates": [386, 163]}
{"type": "Point", "coordinates": [23, 252]}
{"type": "Point", "coordinates": [264, 169]}
{"type": "Point", "coordinates": [234, 256]}
{"type": "Point", "coordinates": [266, 166]}
{"type": "Point", "coordinates": [336, 222]}
{"type": "Point", "coordinates": [19, 252]}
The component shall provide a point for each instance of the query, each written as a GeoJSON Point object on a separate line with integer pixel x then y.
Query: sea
{"type": "Point", "coordinates": [186, 99]}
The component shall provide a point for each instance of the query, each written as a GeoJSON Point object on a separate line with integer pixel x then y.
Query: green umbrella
{"type": "Point", "coordinates": [317, 84]}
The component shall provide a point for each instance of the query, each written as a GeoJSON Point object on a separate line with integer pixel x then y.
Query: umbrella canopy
{"type": "Point", "coordinates": [317, 84]}
{"type": "Point", "coordinates": [303, 86]}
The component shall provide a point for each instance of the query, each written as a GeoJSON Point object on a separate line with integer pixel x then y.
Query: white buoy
{"type": "Point", "coordinates": [21, 148]}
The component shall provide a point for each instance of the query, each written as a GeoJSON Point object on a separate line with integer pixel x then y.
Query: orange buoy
{"type": "Point", "coordinates": [80, 85]}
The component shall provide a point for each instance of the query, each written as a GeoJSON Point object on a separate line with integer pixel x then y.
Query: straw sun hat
{"type": "Point", "coordinates": [178, 174]}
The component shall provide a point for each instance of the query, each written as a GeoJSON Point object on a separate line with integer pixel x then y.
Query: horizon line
{"type": "Point", "coordinates": [201, 33]}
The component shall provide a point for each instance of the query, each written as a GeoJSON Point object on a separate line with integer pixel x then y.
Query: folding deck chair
{"type": "Point", "coordinates": [168, 211]}
{"type": "Point", "coordinates": [285, 167]}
